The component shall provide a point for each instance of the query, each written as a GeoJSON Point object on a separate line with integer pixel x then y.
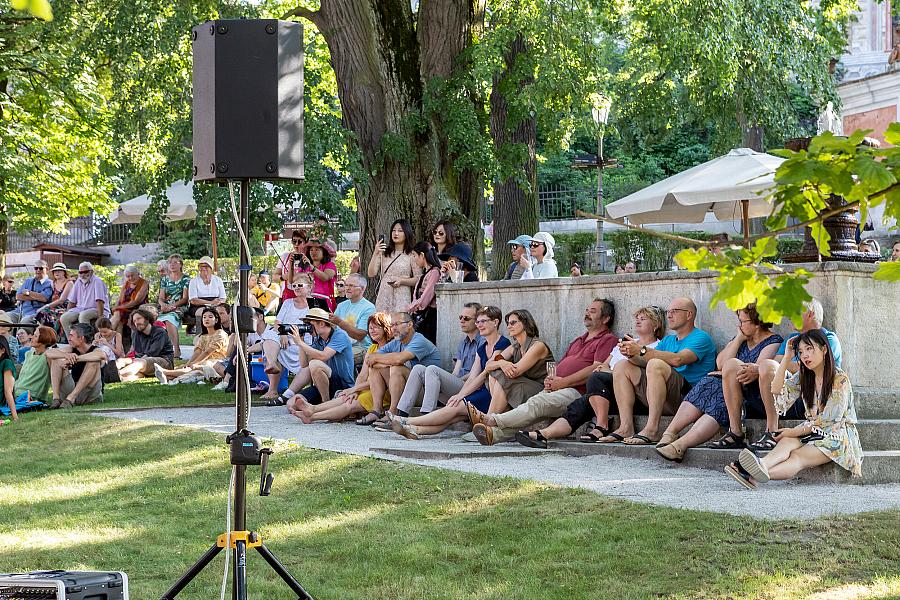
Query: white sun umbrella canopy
{"type": "Point", "coordinates": [181, 206]}
{"type": "Point", "coordinates": [718, 186]}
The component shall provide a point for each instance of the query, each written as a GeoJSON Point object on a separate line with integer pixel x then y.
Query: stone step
{"type": "Point", "coordinates": [876, 404]}
{"type": "Point", "coordinates": [874, 434]}
{"type": "Point", "coordinates": [879, 466]}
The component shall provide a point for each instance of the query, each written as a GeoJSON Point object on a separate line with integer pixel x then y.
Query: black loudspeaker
{"type": "Point", "coordinates": [248, 100]}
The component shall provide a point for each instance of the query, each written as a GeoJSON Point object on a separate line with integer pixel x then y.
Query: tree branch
{"type": "Point", "coordinates": [302, 11]}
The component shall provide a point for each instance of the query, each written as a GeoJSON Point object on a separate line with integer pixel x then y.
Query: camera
{"type": "Point", "coordinates": [302, 328]}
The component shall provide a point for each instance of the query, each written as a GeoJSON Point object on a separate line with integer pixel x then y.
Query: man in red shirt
{"type": "Point", "coordinates": [584, 353]}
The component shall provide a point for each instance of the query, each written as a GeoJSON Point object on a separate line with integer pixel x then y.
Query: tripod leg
{"type": "Point", "coordinates": [239, 584]}
{"type": "Point", "coordinates": [283, 573]}
{"type": "Point", "coordinates": [191, 573]}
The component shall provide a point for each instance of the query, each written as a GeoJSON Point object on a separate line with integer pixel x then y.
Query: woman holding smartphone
{"type": "Point", "coordinates": [395, 263]}
{"type": "Point", "coordinates": [829, 432]}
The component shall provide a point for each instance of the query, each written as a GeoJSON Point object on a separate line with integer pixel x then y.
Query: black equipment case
{"type": "Point", "coordinates": [64, 585]}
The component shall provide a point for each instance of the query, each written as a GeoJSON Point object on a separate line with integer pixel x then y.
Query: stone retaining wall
{"type": "Point", "coordinates": [865, 313]}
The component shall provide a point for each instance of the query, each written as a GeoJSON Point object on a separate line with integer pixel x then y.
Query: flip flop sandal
{"type": "Point", "coordinates": [615, 439]}
{"type": "Point", "coordinates": [751, 464]}
{"type": "Point", "coordinates": [740, 475]}
{"type": "Point", "coordinates": [279, 401]}
{"type": "Point", "coordinates": [591, 437]}
{"type": "Point", "coordinates": [524, 438]}
{"type": "Point", "coordinates": [369, 419]}
{"type": "Point", "coordinates": [642, 440]}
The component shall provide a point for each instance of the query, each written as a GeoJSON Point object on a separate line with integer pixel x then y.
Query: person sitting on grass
{"type": "Point", "coordinates": [660, 377]}
{"type": "Point", "coordinates": [134, 293]}
{"type": "Point", "coordinates": [439, 384]}
{"type": "Point", "coordinates": [829, 431]}
{"type": "Point", "coordinates": [473, 390]}
{"type": "Point", "coordinates": [151, 347]}
{"type": "Point", "coordinates": [227, 368]}
{"type": "Point", "coordinates": [649, 327]}
{"type": "Point", "coordinates": [12, 341]}
{"type": "Point", "coordinates": [278, 345]}
{"type": "Point", "coordinates": [34, 376]}
{"type": "Point", "coordinates": [561, 388]}
{"type": "Point", "coordinates": [326, 364]}
{"type": "Point", "coordinates": [763, 405]}
{"type": "Point", "coordinates": [108, 339]}
{"type": "Point", "coordinates": [8, 378]}
{"type": "Point", "coordinates": [389, 367]}
{"type": "Point", "coordinates": [209, 349]}
{"type": "Point", "coordinates": [356, 399]}
{"type": "Point", "coordinates": [75, 369]}
{"type": "Point", "coordinates": [705, 405]}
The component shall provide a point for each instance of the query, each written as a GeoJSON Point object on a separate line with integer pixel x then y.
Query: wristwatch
{"type": "Point", "coordinates": [643, 351]}
{"type": "Point", "coordinates": [27, 292]}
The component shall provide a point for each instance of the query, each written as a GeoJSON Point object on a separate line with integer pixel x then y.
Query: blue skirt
{"type": "Point", "coordinates": [480, 399]}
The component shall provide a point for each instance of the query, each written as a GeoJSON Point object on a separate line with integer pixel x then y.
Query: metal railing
{"type": "Point", "coordinates": [556, 203]}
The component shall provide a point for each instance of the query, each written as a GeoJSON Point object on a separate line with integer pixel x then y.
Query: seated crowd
{"type": "Point", "coordinates": [329, 354]}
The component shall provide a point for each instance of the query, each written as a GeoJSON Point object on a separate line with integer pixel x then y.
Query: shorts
{"type": "Point", "coordinates": [149, 361]}
{"type": "Point", "coordinates": [365, 399]}
{"type": "Point", "coordinates": [676, 389]}
{"type": "Point", "coordinates": [92, 393]}
{"type": "Point", "coordinates": [335, 384]}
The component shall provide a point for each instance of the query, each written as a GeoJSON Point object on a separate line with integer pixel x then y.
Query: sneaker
{"type": "Point", "coordinates": [157, 370]}
{"type": "Point", "coordinates": [220, 386]}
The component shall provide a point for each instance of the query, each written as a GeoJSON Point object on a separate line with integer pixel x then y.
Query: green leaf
{"type": "Point", "coordinates": [892, 135]}
{"type": "Point", "coordinates": [872, 173]}
{"type": "Point", "coordinates": [821, 237]}
{"type": "Point", "coordinates": [690, 259]}
{"type": "Point", "coordinates": [888, 271]}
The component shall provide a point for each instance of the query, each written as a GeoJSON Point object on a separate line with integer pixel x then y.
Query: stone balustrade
{"type": "Point", "coordinates": [865, 314]}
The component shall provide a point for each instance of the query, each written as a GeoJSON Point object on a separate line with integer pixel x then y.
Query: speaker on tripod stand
{"type": "Point", "coordinates": [248, 124]}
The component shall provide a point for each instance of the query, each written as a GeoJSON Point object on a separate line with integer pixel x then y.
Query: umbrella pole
{"type": "Point", "coordinates": [745, 221]}
{"type": "Point", "coordinates": [215, 246]}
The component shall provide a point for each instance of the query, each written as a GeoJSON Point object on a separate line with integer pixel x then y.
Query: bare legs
{"type": "Point", "coordinates": [791, 456]}
{"type": "Point", "coordinates": [767, 370]}
{"type": "Point", "coordinates": [704, 427]}
{"type": "Point", "coordinates": [734, 396]}
{"type": "Point", "coordinates": [499, 402]}
{"type": "Point", "coordinates": [438, 420]}
{"type": "Point", "coordinates": [270, 352]}
{"type": "Point", "coordinates": [626, 377]}
{"type": "Point", "coordinates": [333, 410]}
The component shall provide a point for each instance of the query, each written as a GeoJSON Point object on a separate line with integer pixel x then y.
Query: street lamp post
{"type": "Point", "coordinates": [600, 114]}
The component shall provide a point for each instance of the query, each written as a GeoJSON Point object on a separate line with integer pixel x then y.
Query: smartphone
{"type": "Point", "coordinates": [381, 238]}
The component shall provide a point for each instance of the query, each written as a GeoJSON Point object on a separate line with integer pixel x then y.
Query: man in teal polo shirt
{"type": "Point", "coordinates": [660, 377]}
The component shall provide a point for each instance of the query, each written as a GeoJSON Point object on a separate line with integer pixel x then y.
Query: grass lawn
{"type": "Point", "coordinates": [82, 492]}
{"type": "Point", "coordinates": [147, 392]}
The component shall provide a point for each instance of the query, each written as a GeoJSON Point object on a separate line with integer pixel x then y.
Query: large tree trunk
{"type": "Point", "coordinates": [515, 198]}
{"type": "Point", "coordinates": [381, 63]}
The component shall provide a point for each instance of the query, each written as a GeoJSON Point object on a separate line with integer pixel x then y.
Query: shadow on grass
{"type": "Point", "coordinates": [355, 528]}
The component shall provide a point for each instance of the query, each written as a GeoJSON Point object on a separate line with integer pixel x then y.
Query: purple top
{"type": "Point", "coordinates": [85, 295]}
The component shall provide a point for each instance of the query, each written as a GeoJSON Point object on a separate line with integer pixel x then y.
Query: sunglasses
{"type": "Point", "coordinates": [83, 272]}
{"type": "Point", "coordinates": [465, 318]}
{"type": "Point", "coordinates": [536, 244]}
{"type": "Point", "coordinates": [39, 268]}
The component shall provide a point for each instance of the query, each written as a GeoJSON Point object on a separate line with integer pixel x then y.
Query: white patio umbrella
{"type": "Point", "coordinates": [733, 186]}
{"type": "Point", "coordinates": [181, 206]}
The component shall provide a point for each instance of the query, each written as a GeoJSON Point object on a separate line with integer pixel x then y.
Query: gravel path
{"type": "Point", "coordinates": [631, 479]}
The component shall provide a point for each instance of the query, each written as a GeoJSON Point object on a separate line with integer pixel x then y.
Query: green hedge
{"type": "Point", "coordinates": [647, 252]}
{"type": "Point", "coordinates": [570, 247]}
{"type": "Point", "coordinates": [228, 271]}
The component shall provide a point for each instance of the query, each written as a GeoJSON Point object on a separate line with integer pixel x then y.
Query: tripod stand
{"type": "Point", "coordinates": [245, 450]}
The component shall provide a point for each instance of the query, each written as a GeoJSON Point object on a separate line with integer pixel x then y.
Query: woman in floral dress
{"type": "Point", "coordinates": [829, 432]}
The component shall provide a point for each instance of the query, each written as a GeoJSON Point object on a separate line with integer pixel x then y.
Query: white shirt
{"type": "Point", "coordinates": [616, 355]}
{"type": "Point", "coordinates": [214, 289]}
